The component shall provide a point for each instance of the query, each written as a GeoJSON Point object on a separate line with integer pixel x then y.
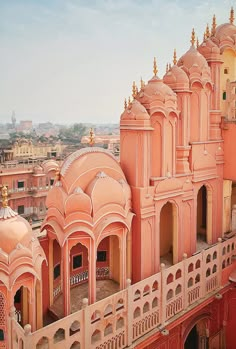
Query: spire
{"type": "Point", "coordinates": [4, 193]}
{"type": "Point", "coordinates": [155, 70]}
{"type": "Point", "coordinates": [204, 36]}
{"type": "Point", "coordinates": [167, 67]}
{"type": "Point", "coordinates": [142, 84]}
{"type": "Point", "coordinates": [174, 57]}
{"type": "Point", "coordinates": [213, 27]}
{"type": "Point", "coordinates": [125, 104]}
{"type": "Point", "coordinates": [193, 37]}
{"type": "Point", "coordinates": [91, 137]}
{"type": "Point", "coordinates": [134, 90]}
{"type": "Point", "coordinates": [129, 102]}
{"type": "Point", "coordinates": [207, 31]}
{"type": "Point", "coordinates": [231, 18]}
{"type": "Point", "coordinates": [197, 43]}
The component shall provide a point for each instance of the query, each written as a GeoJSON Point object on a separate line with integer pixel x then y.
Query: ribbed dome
{"type": "Point", "coordinates": [135, 111]}
{"type": "Point", "coordinates": [13, 231]}
{"type": "Point", "coordinates": [193, 58]}
{"type": "Point", "coordinates": [208, 47]}
{"type": "Point", "coordinates": [225, 30]}
{"type": "Point", "coordinates": [157, 89]}
{"type": "Point", "coordinates": [176, 78]}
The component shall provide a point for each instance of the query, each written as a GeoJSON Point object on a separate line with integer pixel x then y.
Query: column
{"type": "Point", "coordinates": [122, 251]}
{"type": "Point", "coordinates": [50, 271]}
{"type": "Point", "coordinates": [66, 279]}
{"type": "Point", "coordinates": [92, 272]}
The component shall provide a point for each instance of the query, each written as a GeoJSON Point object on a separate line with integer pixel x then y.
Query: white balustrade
{"type": "Point", "coordinates": [119, 320]}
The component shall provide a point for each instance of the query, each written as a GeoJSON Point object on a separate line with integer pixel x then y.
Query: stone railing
{"type": "Point", "coordinates": [119, 320]}
{"type": "Point", "coordinates": [81, 277]}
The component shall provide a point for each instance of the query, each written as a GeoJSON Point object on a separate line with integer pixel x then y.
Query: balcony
{"type": "Point", "coordinates": [124, 317]}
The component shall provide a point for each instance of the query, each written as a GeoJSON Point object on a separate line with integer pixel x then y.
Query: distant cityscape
{"type": "Point", "coordinates": [31, 154]}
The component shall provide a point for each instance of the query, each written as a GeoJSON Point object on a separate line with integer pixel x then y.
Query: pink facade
{"type": "Point", "coordinates": [141, 253]}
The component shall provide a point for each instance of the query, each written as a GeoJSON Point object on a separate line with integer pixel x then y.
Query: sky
{"type": "Point", "coordinates": [71, 61]}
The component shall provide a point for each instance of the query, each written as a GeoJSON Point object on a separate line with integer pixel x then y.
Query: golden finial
{"type": "Point", "coordinates": [231, 18]}
{"type": "Point", "coordinates": [155, 71]}
{"type": "Point", "coordinates": [213, 27]}
{"type": "Point", "coordinates": [197, 42]}
{"type": "Point", "coordinates": [4, 192]}
{"type": "Point", "coordinates": [133, 89]}
{"type": "Point", "coordinates": [174, 57]}
{"type": "Point", "coordinates": [207, 31]}
{"type": "Point", "coordinates": [125, 104]}
{"type": "Point", "coordinates": [169, 66]}
{"type": "Point", "coordinates": [142, 83]}
{"type": "Point", "coordinates": [129, 102]}
{"type": "Point", "coordinates": [193, 37]}
{"type": "Point", "coordinates": [91, 137]}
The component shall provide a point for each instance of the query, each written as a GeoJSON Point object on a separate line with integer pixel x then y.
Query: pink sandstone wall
{"type": "Point", "coordinates": [229, 134]}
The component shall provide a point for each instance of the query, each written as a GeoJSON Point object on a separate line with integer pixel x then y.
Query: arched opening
{"type": "Point", "coordinates": [202, 218]}
{"type": "Point", "coordinates": [79, 275]}
{"type": "Point", "coordinates": [21, 303]}
{"type": "Point", "coordinates": [198, 336]}
{"type": "Point", "coordinates": [168, 233]}
{"type": "Point", "coordinates": [192, 339]}
{"type": "Point", "coordinates": [108, 267]}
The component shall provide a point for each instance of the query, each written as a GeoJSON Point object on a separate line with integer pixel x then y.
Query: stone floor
{"type": "Point", "coordinates": [201, 243]}
{"type": "Point", "coordinates": [167, 259]}
{"type": "Point", "coordinates": [105, 288]}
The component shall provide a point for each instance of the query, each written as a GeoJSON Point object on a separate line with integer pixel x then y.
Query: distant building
{"type": "Point", "coordinates": [25, 126]}
{"type": "Point", "coordinates": [28, 185]}
{"type": "Point", "coordinates": [110, 142]}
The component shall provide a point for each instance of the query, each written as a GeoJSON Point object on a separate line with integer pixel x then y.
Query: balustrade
{"type": "Point", "coordinates": [119, 320]}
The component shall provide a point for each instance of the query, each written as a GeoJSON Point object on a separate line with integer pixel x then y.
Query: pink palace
{"type": "Point", "coordinates": [138, 253]}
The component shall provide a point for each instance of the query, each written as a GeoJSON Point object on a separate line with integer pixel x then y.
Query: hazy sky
{"type": "Point", "coordinates": [74, 60]}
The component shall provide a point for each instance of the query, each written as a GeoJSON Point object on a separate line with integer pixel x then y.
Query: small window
{"type": "Point", "coordinates": [1, 335]}
{"type": "Point", "coordinates": [57, 271]}
{"type": "Point", "coordinates": [51, 181]}
{"type": "Point", "coordinates": [224, 95]}
{"type": "Point", "coordinates": [226, 70]}
{"type": "Point", "coordinates": [21, 209]}
{"type": "Point", "coordinates": [101, 256]}
{"type": "Point", "coordinates": [77, 261]}
{"type": "Point", "coordinates": [20, 184]}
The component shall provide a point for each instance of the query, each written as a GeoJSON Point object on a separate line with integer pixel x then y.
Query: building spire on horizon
{"type": "Point", "coordinates": [193, 37]}
{"type": "Point", "coordinates": [91, 137]}
{"type": "Point", "coordinates": [213, 27]}
{"type": "Point", "coordinates": [231, 18]}
{"type": "Point", "coordinates": [174, 57]}
{"type": "Point", "coordinates": [207, 31]}
{"type": "Point", "coordinates": [155, 70]}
